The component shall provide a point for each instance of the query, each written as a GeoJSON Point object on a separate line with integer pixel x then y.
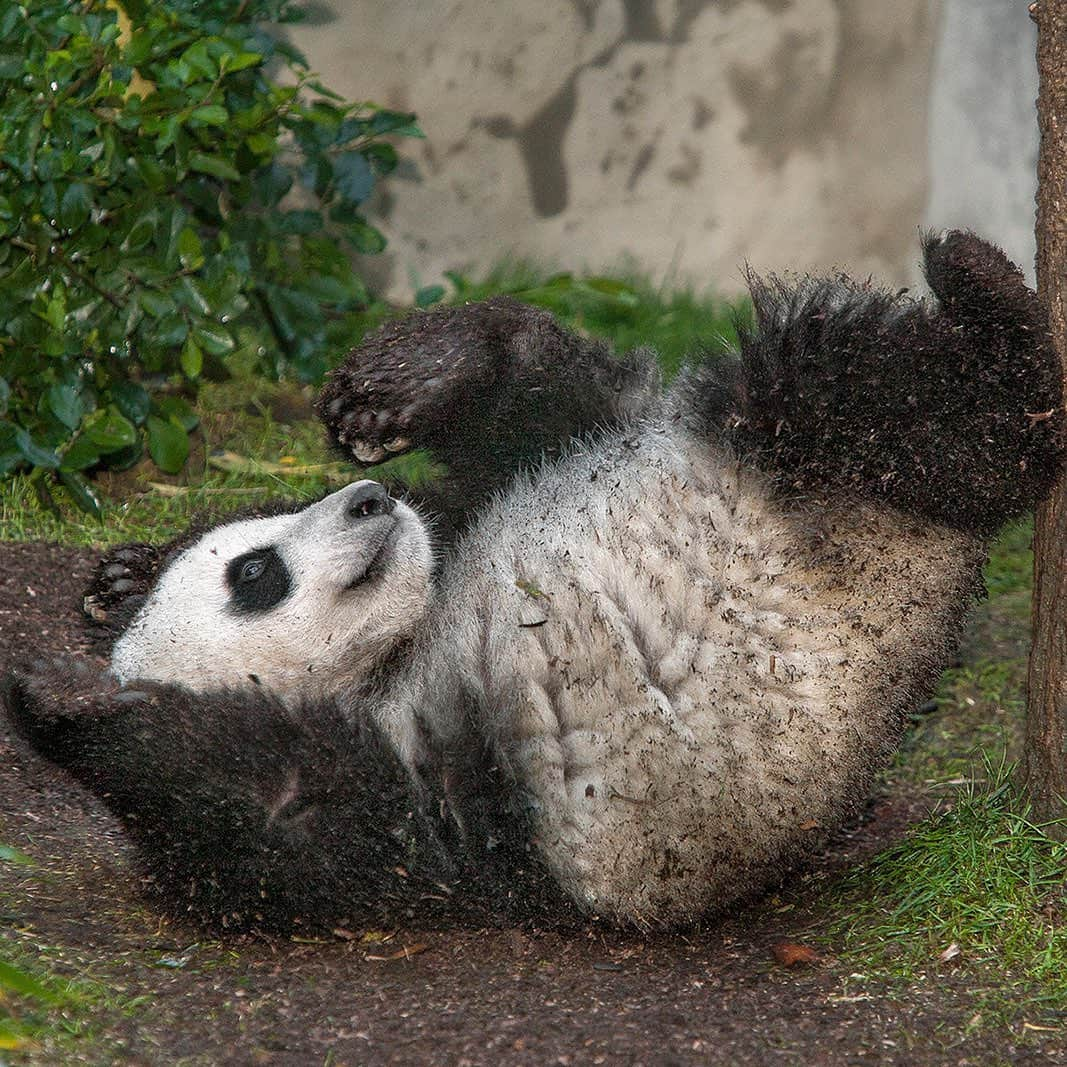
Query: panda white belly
{"type": "Point", "coordinates": [687, 681]}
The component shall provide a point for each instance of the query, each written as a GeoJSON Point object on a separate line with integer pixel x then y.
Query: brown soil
{"type": "Point", "coordinates": [718, 995]}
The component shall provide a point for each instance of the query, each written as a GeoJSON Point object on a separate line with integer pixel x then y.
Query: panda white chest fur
{"type": "Point", "coordinates": [682, 674]}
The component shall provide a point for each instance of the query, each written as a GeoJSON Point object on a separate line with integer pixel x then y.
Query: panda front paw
{"type": "Point", "coordinates": [120, 583]}
{"type": "Point", "coordinates": [433, 380]}
{"type": "Point", "coordinates": [365, 428]}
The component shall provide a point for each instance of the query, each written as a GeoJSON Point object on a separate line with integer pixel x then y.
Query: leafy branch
{"type": "Point", "coordinates": [170, 212]}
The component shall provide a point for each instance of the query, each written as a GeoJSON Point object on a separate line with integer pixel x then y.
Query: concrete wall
{"type": "Point", "coordinates": [983, 128]}
{"type": "Point", "coordinates": [690, 135]}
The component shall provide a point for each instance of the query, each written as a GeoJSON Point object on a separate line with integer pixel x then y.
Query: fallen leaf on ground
{"type": "Point", "coordinates": [791, 953]}
{"type": "Point", "coordinates": [950, 953]}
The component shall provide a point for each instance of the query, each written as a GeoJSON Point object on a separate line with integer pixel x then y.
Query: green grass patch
{"type": "Point", "coordinates": [977, 887]}
{"type": "Point", "coordinates": [41, 1011]}
{"type": "Point", "coordinates": [47, 1015]}
{"type": "Point", "coordinates": [1009, 571]}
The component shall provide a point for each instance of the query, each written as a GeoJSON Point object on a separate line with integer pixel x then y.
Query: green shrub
{"type": "Point", "coordinates": [147, 231]}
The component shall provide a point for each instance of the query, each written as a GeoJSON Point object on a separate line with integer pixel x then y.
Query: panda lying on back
{"type": "Point", "coordinates": [649, 673]}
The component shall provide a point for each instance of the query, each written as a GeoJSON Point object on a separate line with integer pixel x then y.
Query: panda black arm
{"type": "Point", "coordinates": [487, 388]}
{"type": "Point", "coordinates": [249, 814]}
{"type": "Point", "coordinates": [954, 413]}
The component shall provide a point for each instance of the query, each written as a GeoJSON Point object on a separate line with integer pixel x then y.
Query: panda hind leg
{"type": "Point", "coordinates": [953, 412]}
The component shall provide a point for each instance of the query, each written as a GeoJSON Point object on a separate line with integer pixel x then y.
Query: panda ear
{"type": "Point", "coordinates": [120, 583]}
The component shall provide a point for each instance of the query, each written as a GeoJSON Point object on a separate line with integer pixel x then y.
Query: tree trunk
{"type": "Point", "coordinates": [1045, 758]}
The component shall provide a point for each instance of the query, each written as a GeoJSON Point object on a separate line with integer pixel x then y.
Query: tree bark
{"type": "Point", "coordinates": [1045, 755]}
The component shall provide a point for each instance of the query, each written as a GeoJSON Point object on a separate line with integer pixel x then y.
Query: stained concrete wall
{"type": "Point", "coordinates": [690, 135]}
{"type": "Point", "coordinates": [983, 137]}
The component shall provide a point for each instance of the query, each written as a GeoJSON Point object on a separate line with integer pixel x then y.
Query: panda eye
{"type": "Point", "coordinates": [258, 581]}
{"type": "Point", "coordinates": [251, 570]}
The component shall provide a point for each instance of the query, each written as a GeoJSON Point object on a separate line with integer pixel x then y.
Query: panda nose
{"type": "Point", "coordinates": [367, 499]}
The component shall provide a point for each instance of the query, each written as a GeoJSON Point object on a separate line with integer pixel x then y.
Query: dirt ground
{"type": "Point", "coordinates": [717, 995]}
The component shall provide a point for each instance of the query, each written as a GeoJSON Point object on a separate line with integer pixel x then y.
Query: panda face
{"type": "Point", "coordinates": [298, 603]}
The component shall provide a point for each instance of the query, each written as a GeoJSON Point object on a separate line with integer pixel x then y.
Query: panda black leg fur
{"type": "Point", "coordinates": [487, 388]}
{"type": "Point", "coordinates": [953, 413]}
{"type": "Point", "coordinates": [251, 814]}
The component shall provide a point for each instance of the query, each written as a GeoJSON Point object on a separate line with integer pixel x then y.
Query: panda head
{"type": "Point", "coordinates": [300, 603]}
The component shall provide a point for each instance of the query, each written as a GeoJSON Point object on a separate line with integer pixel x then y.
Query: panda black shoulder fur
{"type": "Point", "coordinates": [648, 666]}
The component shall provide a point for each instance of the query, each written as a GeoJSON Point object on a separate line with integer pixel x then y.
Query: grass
{"type": "Point", "coordinates": [977, 890]}
{"type": "Point", "coordinates": [41, 1012]}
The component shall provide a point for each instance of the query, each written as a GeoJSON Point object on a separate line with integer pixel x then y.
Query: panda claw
{"type": "Point", "coordinates": [368, 453]}
{"type": "Point", "coordinates": [92, 608]}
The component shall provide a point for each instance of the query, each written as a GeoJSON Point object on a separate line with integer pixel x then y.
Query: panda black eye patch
{"type": "Point", "coordinates": [258, 580]}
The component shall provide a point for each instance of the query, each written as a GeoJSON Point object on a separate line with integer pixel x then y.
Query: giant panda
{"type": "Point", "coordinates": [632, 657]}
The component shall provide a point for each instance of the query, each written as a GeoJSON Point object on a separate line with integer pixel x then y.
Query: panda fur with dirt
{"type": "Point", "coordinates": [636, 653]}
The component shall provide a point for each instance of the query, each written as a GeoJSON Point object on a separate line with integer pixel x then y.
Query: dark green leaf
{"type": "Point", "coordinates": [67, 404]}
{"type": "Point", "coordinates": [172, 330]}
{"type": "Point", "coordinates": [397, 122]}
{"type": "Point", "coordinates": [156, 304]}
{"type": "Point", "coordinates": [354, 177]}
{"type": "Point", "coordinates": [168, 445]}
{"type": "Point", "coordinates": [81, 492]}
{"type": "Point", "coordinates": [82, 453]}
{"type": "Point", "coordinates": [190, 251]}
{"type": "Point", "coordinates": [211, 115]}
{"type": "Point", "coordinates": [177, 411]}
{"type": "Point", "coordinates": [33, 453]}
{"type": "Point", "coordinates": [125, 458]}
{"type": "Point", "coordinates": [382, 157]}
{"type": "Point", "coordinates": [213, 339]}
{"type": "Point", "coordinates": [110, 430]}
{"type": "Point", "coordinates": [141, 232]}
{"type": "Point", "coordinates": [216, 166]}
{"type": "Point", "coordinates": [194, 296]}
{"type": "Point", "coordinates": [139, 48]}
{"type": "Point", "coordinates": [241, 60]}
{"type": "Point", "coordinates": [132, 400]}
{"type": "Point", "coordinates": [150, 172]}
{"type": "Point", "coordinates": [75, 206]}
{"type": "Point", "coordinates": [366, 238]}
{"type": "Point", "coordinates": [8, 20]}
{"type": "Point", "coordinates": [192, 357]}
{"type": "Point", "coordinates": [332, 291]}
